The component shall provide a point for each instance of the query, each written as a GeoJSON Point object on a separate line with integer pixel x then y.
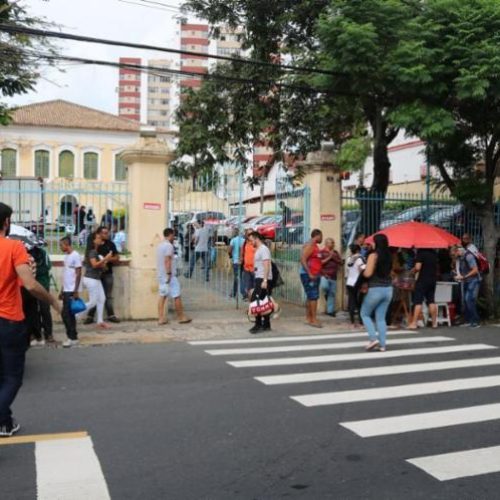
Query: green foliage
{"type": "Point", "coordinates": [19, 54]}
{"type": "Point", "coordinates": [353, 153]}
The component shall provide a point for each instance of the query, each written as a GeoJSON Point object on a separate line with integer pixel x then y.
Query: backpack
{"type": "Point", "coordinates": [483, 265]}
{"type": "Point", "coordinates": [277, 279]}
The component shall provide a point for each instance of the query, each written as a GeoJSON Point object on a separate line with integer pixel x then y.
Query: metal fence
{"type": "Point", "coordinates": [58, 208]}
{"type": "Point", "coordinates": [368, 212]}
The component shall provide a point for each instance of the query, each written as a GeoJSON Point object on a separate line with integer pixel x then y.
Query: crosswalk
{"type": "Point", "coordinates": [340, 358]}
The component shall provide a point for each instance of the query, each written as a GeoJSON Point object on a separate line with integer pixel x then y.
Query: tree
{"type": "Point", "coordinates": [451, 67]}
{"type": "Point", "coordinates": [20, 55]}
{"type": "Point", "coordinates": [359, 44]}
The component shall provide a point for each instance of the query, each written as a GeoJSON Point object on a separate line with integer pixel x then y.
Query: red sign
{"type": "Point", "coordinates": [152, 206]}
{"type": "Point", "coordinates": [327, 217]}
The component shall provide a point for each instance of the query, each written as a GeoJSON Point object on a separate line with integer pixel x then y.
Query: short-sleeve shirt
{"type": "Point", "coordinates": [165, 249]}
{"type": "Point", "coordinates": [261, 255]}
{"type": "Point", "coordinates": [248, 257]}
{"type": "Point", "coordinates": [429, 260]}
{"type": "Point", "coordinates": [92, 272]}
{"type": "Point", "coordinates": [467, 263]}
{"type": "Point", "coordinates": [72, 262]}
{"type": "Point", "coordinates": [236, 244]}
{"type": "Point", "coordinates": [119, 240]}
{"type": "Point", "coordinates": [202, 236]}
{"type": "Point", "coordinates": [104, 249]}
{"type": "Point", "coordinates": [12, 255]}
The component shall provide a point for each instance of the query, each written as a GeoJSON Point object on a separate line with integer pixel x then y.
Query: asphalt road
{"type": "Point", "coordinates": [170, 421]}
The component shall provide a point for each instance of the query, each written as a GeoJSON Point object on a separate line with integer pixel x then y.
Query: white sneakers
{"type": "Point", "coordinates": [37, 343]}
{"type": "Point", "coordinates": [70, 343]}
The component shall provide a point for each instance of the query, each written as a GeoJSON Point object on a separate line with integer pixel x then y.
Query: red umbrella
{"type": "Point", "coordinates": [417, 235]}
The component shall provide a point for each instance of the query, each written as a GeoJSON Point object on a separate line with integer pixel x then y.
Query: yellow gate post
{"type": "Point", "coordinates": [147, 162]}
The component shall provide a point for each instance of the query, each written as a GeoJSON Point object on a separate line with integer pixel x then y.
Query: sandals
{"type": "Point", "coordinates": [372, 345]}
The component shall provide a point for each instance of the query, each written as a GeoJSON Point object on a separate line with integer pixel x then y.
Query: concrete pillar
{"type": "Point", "coordinates": [323, 178]}
{"type": "Point", "coordinates": [147, 163]}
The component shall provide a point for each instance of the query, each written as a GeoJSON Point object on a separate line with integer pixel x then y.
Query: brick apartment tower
{"type": "Point", "coordinates": [194, 37]}
{"type": "Point", "coordinates": [129, 90]}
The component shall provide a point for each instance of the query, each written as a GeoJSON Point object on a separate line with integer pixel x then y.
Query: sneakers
{"type": "Point", "coordinates": [8, 430]}
{"type": "Point", "coordinates": [255, 329]}
{"type": "Point", "coordinates": [475, 325]}
{"type": "Point", "coordinates": [70, 343]}
{"type": "Point", "coordinates": [465, 325]}
{"type": "Point", "coordinates": [37, 343]}
{"type": "Point", "coordinates": [113, 319]}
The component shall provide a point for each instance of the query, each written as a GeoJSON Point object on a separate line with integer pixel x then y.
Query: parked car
{"type": "Point", "coordinates": [420, 213]}
{"type": "Point", "coordinates": [268, 230]}
{"type": "Point", "coordinates": [257, 221]}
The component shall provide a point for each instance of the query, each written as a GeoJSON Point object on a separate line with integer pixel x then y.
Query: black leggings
{"type": "Point", "coordinates": [354, 303]}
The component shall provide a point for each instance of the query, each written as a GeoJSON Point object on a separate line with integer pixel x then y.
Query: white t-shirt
{"type": "Point", "coordinates": [165, 249]}
{"type": "Point", "coordinates": [355, 265]}
{"type": "Point", "coordinates": [202, 236]}
{"type": "Point", "coordinates": [262, 254]}
{"type": "Point", "coordinates": [72, 262]}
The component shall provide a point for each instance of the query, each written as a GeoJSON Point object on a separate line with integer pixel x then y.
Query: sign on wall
{"type": "Point", "coordinates": [152, 206]}
{"type": "Point", "coordinates": [328, 217]}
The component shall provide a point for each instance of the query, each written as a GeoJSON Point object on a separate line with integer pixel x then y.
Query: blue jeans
{"type": "Point", "coordinates": [471, 291]}
{"type": "Point", "coordinates": [236, 276]}
{"type": "Point", "coordinates": [329, 288]}
{"type": "Point", "coordinates": [247, 282]}
{"type": "Point", "coordinates": [205, 258]}
{"type": "Point", "coordinates": [13, 345]}
{"type": "Point", "coordinates": [376, 300]}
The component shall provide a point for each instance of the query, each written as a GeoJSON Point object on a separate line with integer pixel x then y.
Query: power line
{"type": "Point", "coordinates": [14, 29]}
{"type": "Point", "coordinates": [165, 8]}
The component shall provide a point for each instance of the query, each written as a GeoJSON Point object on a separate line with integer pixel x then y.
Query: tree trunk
{"type": "Point", "coordinates": [490, 237]}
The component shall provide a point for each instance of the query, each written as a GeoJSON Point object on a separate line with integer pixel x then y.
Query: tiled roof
{"type": "Point", "coordinates": [64, 114]}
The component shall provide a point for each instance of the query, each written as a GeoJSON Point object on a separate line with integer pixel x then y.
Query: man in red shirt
{"type": "Point", "coordinates": [15, 271]}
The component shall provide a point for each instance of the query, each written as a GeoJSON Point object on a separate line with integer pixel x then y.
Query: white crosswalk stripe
{"type": "Point", "coordinates": [295, 338]}
{"type": "Point", "coordinates": [444, 466]}
{"type": "Point", "coordinates": [460, 464]}
{"type": "Point", "coordinates": [320, 347]}
{"type": "Point", "coordinates": [424, 421]}
{"type": "Point", "coordinates": [359, 356]}
{"type": "Point", "coordinates": [297, 378]}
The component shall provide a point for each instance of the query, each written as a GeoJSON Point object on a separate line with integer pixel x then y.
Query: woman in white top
{"type": "Point", "coordinates": [354, 267]}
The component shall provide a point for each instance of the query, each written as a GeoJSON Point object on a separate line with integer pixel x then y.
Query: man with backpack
{"type": "Point", "coordinates": [470, 277]}
{"type": "Point", "coordinates": [482, 262]}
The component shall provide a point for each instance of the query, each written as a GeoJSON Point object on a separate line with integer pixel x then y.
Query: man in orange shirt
{"type": "Point", "coordinates": [15, 271]}
{"type": "Point", "coordinates": [247, 260]}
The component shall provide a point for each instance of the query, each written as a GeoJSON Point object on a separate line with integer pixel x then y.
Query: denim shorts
{"type": "Point", "coordinates": [311, 286]}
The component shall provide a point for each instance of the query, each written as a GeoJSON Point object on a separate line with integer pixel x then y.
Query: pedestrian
{"type": "Point", "coordinates": [248, 261]}
{"type": "Point", "coordinates": [310, 273]}
{"type": "Point", "coordinates": [14, 270]}
{"type": "Point", "coordinates": [76, 218]}
{"type": "Point", "coordinates": [286, 218]}
{"type": "Point", "coordinates": [263, 280]}
{"type": "Point", "coordinates": [354, 268]}
{"type": "Point", "coordinates": [107, 219]}
{"type": "Point", "coordinates": [80, 222]}
{"type": "Point", "coordinates": [43, 267]}
{"type": "Point", "coordinates": [234, 250]}
{"type": "Point", "coordinates": [330, 262]}
{"type": "Point", "coordinates": [365, 248]}
{"type": "Point", "coordinates": [72, 279]}
{"type": "Point", "coordinates": [470, 278]}
{"type": "Point", "coordinates": [426, 269]}
{"type": "Point", "coordinates": [169, 286]}
{"type": "Point", "coordinates": [379, 295]}
{"type": "Point", "coordinates": [94, 265]}
{"type": "Point", "coordinates": [201, 249]}
{"type": "Point", "coordinates": [119, 239]}
{"type": "Point", "coordinates": [107, 278]}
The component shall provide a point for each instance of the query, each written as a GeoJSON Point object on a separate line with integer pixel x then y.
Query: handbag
{"type": "Point", "coordinates": [77, 306]}
{"type": "Point", "coordinates": [261, 307]}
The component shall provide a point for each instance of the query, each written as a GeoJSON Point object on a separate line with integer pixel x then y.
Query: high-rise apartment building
{"type": "Point", "coordinates": [229, 42]}
{"type": "Point", "coordinates": [129, 90]}
{"type": "Point", "coordinates": [160, 95]}
{"type": "Point", "coordinates": [194, 38]}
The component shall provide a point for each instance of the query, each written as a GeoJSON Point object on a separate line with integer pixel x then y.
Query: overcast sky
{"type": "Point", "coordinates": [113, 19]}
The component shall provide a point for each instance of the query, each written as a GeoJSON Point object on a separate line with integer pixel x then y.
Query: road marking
{"type": "Point", "coordinates": [423, 421]}
{"type": "Point", "coordinates": [297, 338]}
{"type": "Point", "coordinates": [41, 437]}
{"type": "Point", "coordinates": [298, 378]}
{"type": "Point", "coordinates": [358, 356]}
{"type": "Point", "coordinates": [69, 468]}
{"type": "Point", "coordinates": [320, 347]}
{"type": "Point", "coordinates": [397, 391]}
{"type": "Point", "coordinates": [460, 464]}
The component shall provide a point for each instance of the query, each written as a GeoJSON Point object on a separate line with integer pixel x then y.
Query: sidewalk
{"type": "Point", "coordinates": [221, 323]}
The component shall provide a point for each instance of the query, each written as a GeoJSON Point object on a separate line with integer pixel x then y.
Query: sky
{"type": "Point", "coordinates": [113, 19]}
